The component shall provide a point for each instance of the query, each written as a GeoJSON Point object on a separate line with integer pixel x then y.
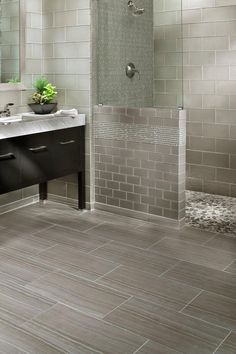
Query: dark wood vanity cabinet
{"type": "Point", "coordinates": [38, 158]}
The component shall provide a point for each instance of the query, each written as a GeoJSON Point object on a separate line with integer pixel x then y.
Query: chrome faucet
{"type": "Point", "coordinates": [6, 112]}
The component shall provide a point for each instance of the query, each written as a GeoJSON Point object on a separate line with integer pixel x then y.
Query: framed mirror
{"type": "Point", "coordinates": [11, 41]}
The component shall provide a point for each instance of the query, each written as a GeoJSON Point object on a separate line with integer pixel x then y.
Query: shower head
{"type": "Point", "coordinates": [136, 11]}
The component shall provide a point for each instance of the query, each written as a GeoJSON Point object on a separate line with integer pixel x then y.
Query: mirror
{"type": "Point", "coordinates": [10, 42]}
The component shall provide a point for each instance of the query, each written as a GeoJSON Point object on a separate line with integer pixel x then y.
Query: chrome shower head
{"type": "Point", "coordinates": [136, 11]}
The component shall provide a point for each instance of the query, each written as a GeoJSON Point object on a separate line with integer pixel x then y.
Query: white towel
{"type": "Point", "coordinates": [66, 113]}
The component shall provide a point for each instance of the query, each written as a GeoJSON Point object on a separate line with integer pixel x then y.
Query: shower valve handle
{"type": "Point", "coordinates": [131, 70]}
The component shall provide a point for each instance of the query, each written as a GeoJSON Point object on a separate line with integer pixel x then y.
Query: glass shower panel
{"type": "Point", "coordinates": [168, 53]}
{"type": "Point", "coordinates": [125, 36]}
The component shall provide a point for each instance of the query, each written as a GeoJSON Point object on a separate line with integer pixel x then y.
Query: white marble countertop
{"type": "Point", "coordinates": [38, 124]}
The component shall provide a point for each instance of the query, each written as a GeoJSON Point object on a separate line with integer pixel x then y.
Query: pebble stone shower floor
{"type": "Point", "coordinates": [211, 212]}
{"type": "Point", "coordinates": [93, 282]}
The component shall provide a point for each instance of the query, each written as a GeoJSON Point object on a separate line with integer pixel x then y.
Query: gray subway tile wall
{"type": "Point", "coordinates": [140, 167]}
{"type": "Point", "coordinates": [209, 86]}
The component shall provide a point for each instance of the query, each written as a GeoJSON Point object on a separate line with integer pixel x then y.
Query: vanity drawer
{"type": "Point", "coordinates": [36, 158]}
{"type": "Point", "coordinates": [9, 166]}
{"type": "Point", "coordinates": [67, 151]}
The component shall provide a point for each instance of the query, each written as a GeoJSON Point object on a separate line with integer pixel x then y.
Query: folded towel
{"type": "Point", "coordinates": [66, 113]}
{"type": "Point", "coordinates": [34, 115]}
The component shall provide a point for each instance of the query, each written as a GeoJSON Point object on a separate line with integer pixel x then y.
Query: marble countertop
{"type": "Point", "coordinates": [32, 125]}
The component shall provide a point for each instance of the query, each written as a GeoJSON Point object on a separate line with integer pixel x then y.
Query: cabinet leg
{"type": "Point", "coordinates": [43, 191]}
{"type": "Point", "coordinates": [81, 190]}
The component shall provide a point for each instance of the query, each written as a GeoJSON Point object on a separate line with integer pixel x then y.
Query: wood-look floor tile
{"type": "Point", "coordinates": [6, 348]}
{"type": "Point", "coordinates": [188, 234]}
{"type": "Point", "coordinates": [57, 339]}
{"type": "Point", "coordinates": [219, 310]}
{"type": "Point", "coordinates": [229, 345]}
{"type": "Point", "coordinates": [144, 260]}
{"type": "Point", "coordinates": [20, 267]}
{"type": "Point", "coordinates": [167, 327]}
{"type": "Point", "coordinates": [149, 286]}
{"type": "Point", "coordinates": [26, 224]}
{"type": "Point", "coordinates": [71, 220]}
{"type": "Point", "coordinates": [23, 243]}
{"type": "Point", "coordinates": [18, 304]}
{"type": "Point", "coordinates": [24, 341]}
{"type": "Point", "coordinates": [92, 332]}
{"type": "Point", "coordinates": [156, 348]}
{"type": "Point", "coordinates": [223, 242]}
{"type": "Point", "coordinates": [209, 279]}
{"type": "Point", "coordinates": [72, 260]}
{"type": "Point", "coordinates": [80, 240]}
{"type": "Point", "coordinates": [122, 234]}
{"type": "Point", "coordinates": [231, 268]}
{"type": "Point", "coordinates": [84, 295]}
{"type": "Point", "coordinates": [197, 254]}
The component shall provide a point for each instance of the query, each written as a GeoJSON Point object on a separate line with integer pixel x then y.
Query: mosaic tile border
{"type": "Point", "coordinates": [139, 133]}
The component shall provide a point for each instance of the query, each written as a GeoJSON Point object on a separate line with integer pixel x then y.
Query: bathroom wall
{"type": "Point", "coordinates": [209, 86]}
{"type": "Point", "coordinates": [66, 62]}
{"type": "Point", "coordinates": [210, 74]}
{"type": "Point", "coordinates": [32, 68]}
{"type": "Point", "coordinates": [123, 38]}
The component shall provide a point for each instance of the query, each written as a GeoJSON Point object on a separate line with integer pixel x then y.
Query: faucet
{"type": "Point", "coordinates": [6, 111]}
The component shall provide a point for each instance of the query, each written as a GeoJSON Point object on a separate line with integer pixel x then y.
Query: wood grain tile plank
{"type": "Point", "coordinates": [167, 327]}
{"type": "Point", "coordinates": [24, 341]}
{"type": "Point", "coordinates": [156, 348]}
{"type": "Point", "coordinates": [97, 334]}
{"type": "Point", "coordinates": [18, 304]}
{"type": "Point", "coordinates": [213, 308]}
{"type": "Point", "coordinates": [73, 238]}
{"type": "Point", "coordinates": [21, 268]}
{"type": "Point", "coordinates": [209, 279]}
{"type": "Point", "coordinates": [150, 287]}
{"type": "Point", "coordinates": [70, 259]}
{"type": "Point", "coordinates": [223, 242]}
{"type": "Point", "coordinates": [84, 295]}
{"type": "Point", "coordinates": [229, 345]}
{"type": "Point", "coordinates": [123, 234]}
{"type": "Point", "coordinates": [188, 234]}
{"type": "Point", "coordinates": [144, 260]}
{"type": "Point", "coordinates": [193, 253]}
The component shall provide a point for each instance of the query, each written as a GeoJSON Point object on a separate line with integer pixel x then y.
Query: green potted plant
{"type": "Point", "coordinates": [43, 96]}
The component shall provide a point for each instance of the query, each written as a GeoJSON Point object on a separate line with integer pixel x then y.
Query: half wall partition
{"type": "Point", "coordinates": [139, 123]}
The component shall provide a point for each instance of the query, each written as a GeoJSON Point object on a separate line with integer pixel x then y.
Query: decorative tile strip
{"type": "Point", "coordinates": [139, 133]}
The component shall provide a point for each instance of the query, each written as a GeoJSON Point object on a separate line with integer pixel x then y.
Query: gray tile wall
{"type": "Point", "coordinates": [121, 39]}
{"type": "Point", "coordinates": [209, 45]}
{"type": "Point", "coordinates": [142, 167]}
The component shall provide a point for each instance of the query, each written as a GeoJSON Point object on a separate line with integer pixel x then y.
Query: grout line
{"type": "Point", "coordinates": [205, 242]}
{"type": "Point", "coordinates": [41, 312]}
{"type": "Point", "coordinates": [93, 227]}
{"type": "Point", "coordinates": [136, 351]}
{"type": "Point", "coordinates": [101, 246]}
{"type": "Point", "coordinates": [222, 342]}
{"type": "Point", "coordinates": [124, 302]}
{"type": "Point", "coordinates": [167, 270]}
{"type": "Point", "coordinates": [110, 271]}
{"type": "Point", "coordinates": [194, 298]}
{"type": "Point", "coordinates": [149, 248]}
{"type": "Point", "coordinates": [44, 229]}
{"type": "Point", "coordinates": [229, 266]}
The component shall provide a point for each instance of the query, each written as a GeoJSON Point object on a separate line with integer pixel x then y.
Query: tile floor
{"type": "Point", "coordinates": [93, 282]}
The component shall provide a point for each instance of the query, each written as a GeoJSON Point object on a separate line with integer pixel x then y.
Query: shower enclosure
{"type": "Point", "coordinates": [139, 121]}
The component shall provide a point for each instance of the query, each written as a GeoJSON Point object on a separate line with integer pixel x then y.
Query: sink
{"type": "Point", "coordinates": [11, 119]}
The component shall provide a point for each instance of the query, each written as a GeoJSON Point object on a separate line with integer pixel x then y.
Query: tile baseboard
{"type": "Point", "coordinates": [161, 220]}
{"type": "Point", "coordinates": [19, 204]}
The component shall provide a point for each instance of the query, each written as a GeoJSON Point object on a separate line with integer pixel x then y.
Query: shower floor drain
{"type": "Point", "coordinates": [211, 212]}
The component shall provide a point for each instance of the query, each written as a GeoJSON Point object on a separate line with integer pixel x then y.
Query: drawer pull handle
{"type": "Point", "coordinates": [67, 142]}
{"type": "Point", "coordinates": [9, 156]}
{"type": "Point", "coordinates": [38, 149]}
